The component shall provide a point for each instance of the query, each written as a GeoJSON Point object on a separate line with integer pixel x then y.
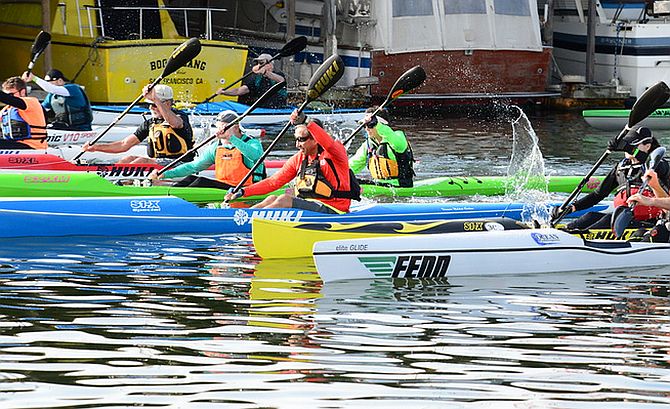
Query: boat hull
{"type": "Point", "coordinates": [616, 119]}
{"type": "Point", "coordinates": [121, 216]}
{"type": "Point", "coordinates": [206, 113]}
{"type": "Point", "coordinates": [30, 180]}
{"type": "Point", "coordinates": [480, 254]}
{"type": "Point", "coordinates": [298, 238]}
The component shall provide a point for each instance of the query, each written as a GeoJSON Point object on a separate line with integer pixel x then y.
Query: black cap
{"type": "Point", "coordinates": [638, 135]}
{"type": "Point", "coordinates": [54, 74]}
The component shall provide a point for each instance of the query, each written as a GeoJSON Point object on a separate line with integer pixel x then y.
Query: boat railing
{"type": "Point", "coordinates": [100, 25]}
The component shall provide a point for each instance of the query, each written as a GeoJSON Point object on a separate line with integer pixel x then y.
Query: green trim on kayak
{"type": "Point", "coordinates": [484, 185]}
{"type": "Point", "coordinates": [621, 113]}
{"type": "Point", "coordinates": [84, 184]}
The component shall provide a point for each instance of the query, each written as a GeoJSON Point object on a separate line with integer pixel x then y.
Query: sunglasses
{"type": "Point", "coordinates": [302, 138]}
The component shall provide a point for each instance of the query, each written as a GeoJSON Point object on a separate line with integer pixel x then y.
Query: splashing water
{"type": "Point", "coordinates": [526, 172]}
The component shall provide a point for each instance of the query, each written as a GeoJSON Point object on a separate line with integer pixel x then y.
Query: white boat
{"type": "Point", "coordinates": [487, 253]}
{"type": "Point", "coordinates": [57, 137]}
{"type": "Point", "coordinates": [631, 45]}
{"type": "Point", "coordinates": [204, 114]}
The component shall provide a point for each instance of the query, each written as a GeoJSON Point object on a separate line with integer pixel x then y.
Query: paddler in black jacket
{"type": "Point", "coordinates": [624, 180]}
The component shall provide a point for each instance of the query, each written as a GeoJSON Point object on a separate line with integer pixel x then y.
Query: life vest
{"type": "Point", "coordinates": [311, 183]}
{"type": "Point", "coordinates": [230, 167]}
{"type": "Point", "coordinates": [25, 125]}
{"type": "Point", "coordinates": [68, 115]}
{"type": "Point", "coordinates": [164, 142]}
{"type": "Point", "coordinates": [640, 212]}
{"type": "Point", "coordinates": [382, 167]}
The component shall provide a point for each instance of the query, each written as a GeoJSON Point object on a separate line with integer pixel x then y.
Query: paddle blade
{"type": "Point", "coordinates": [325, 77]}
{"type": "Point", "coordinates": [39, 45]}
{"type": "Point", "coordinates": [181, 55]}
{"type": "Point", "coordinates": [652, 98]}
{"type": "Point", "coordinates": [621, 218]}
{"type": "Point", "coordinates": [411, 79]}
{"type": "Point", "coordinates": [292, 47]}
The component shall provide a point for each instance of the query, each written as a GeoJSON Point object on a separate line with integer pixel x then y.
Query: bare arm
{"type": "Point", "coordinates": [113, 147]}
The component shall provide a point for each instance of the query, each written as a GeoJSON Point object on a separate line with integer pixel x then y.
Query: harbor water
{"type": "Point", "coordinates": [184, 321]}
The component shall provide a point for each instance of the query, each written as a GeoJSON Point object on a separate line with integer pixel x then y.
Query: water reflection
{"type": "Point", "coordinates": [200, 321]}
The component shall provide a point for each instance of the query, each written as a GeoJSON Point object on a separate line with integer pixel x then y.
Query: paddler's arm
{"type": "Point", "coordinates": [396, 139]}
{"type": "Point", "coordinates": [10, 99]}
{"type": "Point", "coordinates": [113, 147]}
{"type": "Point", "coordinates": [602, 191]}
{"type": "Point", "coordinates": [175, 121]}
{"type": "Point", "coordinates": [335, 148]}
{"type": "Point", "coordinates": [279, 179]}
{"type": "Point", "coordinates": [359, 160]}
{"type": "Point", "coordinates": [49, 87]}
{"type": "Point", "coordinates": [251, 149]}
{"type": "Point", "coordinates": [200, 163]}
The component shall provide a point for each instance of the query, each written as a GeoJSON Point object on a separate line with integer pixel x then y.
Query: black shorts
{"type": "Point", "coordinates": [312, 206]}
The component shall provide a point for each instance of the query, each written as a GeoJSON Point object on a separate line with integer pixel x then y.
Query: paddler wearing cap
{"type": "Point", "coordinates": [232, 154]}
{"type": "Point", "coordinates": [624, 180]}
{"type": "Point", "coordinates": [386, 153]}
{"type": "Point", "coordinates": [263, 78]}
{"type": "Point", "coordinates": [66, 103]}
{"type": "Point", "coordinates": [168, 132]}
{"type": "Point", "coordinates": [320, 169]}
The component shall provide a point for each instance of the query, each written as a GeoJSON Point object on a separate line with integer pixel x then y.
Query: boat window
{"type": "Point", "coordinates": [404, 8]}
{"type": "Point", "coordinates": [464, 6]}
{"type": "Point", "coordinates": [512, 7]}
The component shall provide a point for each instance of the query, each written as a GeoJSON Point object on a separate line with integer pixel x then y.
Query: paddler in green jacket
{"type": "Point", "coordinates": [386, 153]}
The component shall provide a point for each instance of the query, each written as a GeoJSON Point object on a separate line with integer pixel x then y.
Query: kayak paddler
{"type": "Point", "coordinates": [386, 153]}
{"type": "Point", "coordinates": [323, 181]}
{"type": "Point", "coordinates": [233, 154]}
{"type": "Point", "coordinates": [168, 132]}
{"type": "Point", "coordinates": [23, 120]}
{"type": "Point", "coordinates": [624, 180]}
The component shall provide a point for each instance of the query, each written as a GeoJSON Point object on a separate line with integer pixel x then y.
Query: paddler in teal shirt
{"type": "Point", "coordinates": [233, 154]}
{"type": "Point", "coordinates": [386, 153]}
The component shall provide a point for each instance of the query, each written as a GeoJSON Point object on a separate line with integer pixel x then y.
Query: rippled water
{"type": "Point", "coordinates": [200, 322]}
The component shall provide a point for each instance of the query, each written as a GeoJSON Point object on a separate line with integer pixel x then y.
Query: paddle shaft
{"type": "Point", "coordinates": [214, 95]}
{"type": "Point", "coordinates": [119, 117]}
{"type": "Point", "coordinates": [563, 210]}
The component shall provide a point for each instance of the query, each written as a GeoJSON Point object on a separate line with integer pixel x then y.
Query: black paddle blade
{"type": "Point", "coordinates": [411, 79]}
{"type": "Point", "coordinates": [294, 46]}
{"type": "Point", "coordinates": [39, 45]}
{"type": "Point", "coordinates": [181, 55]}
{"type": "Point", "coordinates": [325, 77]}
{"type": "Point", "coordinates": [652, 98]}
{"type": "Point", "coordinates": [621, 218]}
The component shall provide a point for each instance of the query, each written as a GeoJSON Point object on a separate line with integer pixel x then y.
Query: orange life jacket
{"type": "Point", "coordinates": [27, 126]}
{"type": "Point", "coordinates": [640, 212]}
{"type": "Point", "coordinates": [230, 167]}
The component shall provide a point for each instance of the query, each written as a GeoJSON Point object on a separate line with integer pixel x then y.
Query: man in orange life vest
{"type": "Point", "coordinates": [624, 180]}
{"type": "Point", "coordinates": [232, 155]}
{"type": "Point", "coordinates": [23, 119]}
{"type": "Point", "coordinates": [168, 132]}
{"type": "Point", "coordinates": [323, 181]}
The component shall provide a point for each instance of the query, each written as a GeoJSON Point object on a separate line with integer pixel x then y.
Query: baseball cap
{"type": "Point", "coordinates": [54, 74]}
{"type": "Point", "coordinates": [163, 92]}
{"type": "Point", "coordinates": [263, 57]}
{"type": "Point", "coordinates": [227, 116]}
{"type": "Point", "coordinates": [382, 115]}
{"type": "Point", "coordinates": [638, 135]}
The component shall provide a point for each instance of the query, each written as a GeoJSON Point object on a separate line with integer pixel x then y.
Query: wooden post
{"type": "Point", "coordinates": [591, 43]}
{"type": "Point", "coordinates": [330, 20]}
{"type": "Point", "coordinates": [46, 26]}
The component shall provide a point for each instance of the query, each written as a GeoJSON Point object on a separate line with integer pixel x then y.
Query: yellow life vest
{"type": "Point", "coordinates": [164, 142]}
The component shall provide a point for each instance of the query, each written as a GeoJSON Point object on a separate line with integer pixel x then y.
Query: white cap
{"type": "Point", "coordinates": [162, 92]}
{"type": "Point", "coordinates": [227, 116]}
{"type": "Point", "coordinates": [263, 57]}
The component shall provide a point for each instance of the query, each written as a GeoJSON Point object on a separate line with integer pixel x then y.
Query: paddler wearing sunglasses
{"type": "Point", "coordinates": [323, 181]}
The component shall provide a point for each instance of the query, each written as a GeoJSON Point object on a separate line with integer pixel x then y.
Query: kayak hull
{"type": "Point", "coordinates": [89, 182]}
{"type": "Point", "coordinates": [480, 254]}
{"type": "Point", "coordinates": [121, 216]}
{"type": "Point", "coordinates": [298, 238]}
{"type": "Point", "coordinates": [616, 119]}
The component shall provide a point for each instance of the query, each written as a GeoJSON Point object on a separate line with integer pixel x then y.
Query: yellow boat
{"type": "Point", "coordinates": [113, 70]}
{"type": "Point", "coordinates": [284, 240]}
